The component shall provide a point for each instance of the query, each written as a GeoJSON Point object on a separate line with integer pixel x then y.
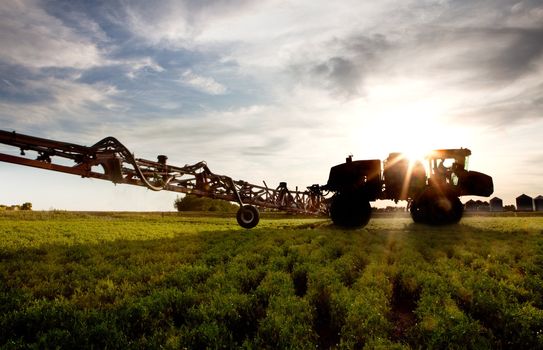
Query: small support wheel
{"type": "Point", "coordinates": [248, 216]}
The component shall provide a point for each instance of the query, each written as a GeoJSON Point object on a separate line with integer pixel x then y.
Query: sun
{"type": "Point", "coordinates": [415, 152]}
{"type": "Point", "coordinates": [414, 138]}
{"type": "Point", "coordinates": [397, 119]}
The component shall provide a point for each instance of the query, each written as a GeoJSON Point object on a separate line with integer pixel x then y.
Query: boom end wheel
{"type": "Point", "coordinates": [248, 216]}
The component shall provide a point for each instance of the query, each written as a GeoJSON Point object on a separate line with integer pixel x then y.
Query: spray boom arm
{"type": "Point", "coordinates": [110, 160]}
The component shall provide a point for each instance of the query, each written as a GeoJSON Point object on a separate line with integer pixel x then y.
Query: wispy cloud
{"type": "Point", "coordinates": [207, 85]}
{"type": "Point", "coordinates": [173, 23]}
{"type": "Point", "coordinates": [60, 104]}
{"type": "Point", "coordinates": [33, 38]}
{"type": "Point", "coordinates": [136, 66]}
{"type": "Point", "coordinates": [340, 66]}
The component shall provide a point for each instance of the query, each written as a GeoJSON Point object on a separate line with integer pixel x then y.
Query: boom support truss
{"type": "Point", "coordinates": [110, 160]}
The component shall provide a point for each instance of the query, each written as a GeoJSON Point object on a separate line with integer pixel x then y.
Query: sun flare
{"type": "Point", "coordinates": [413, 129]}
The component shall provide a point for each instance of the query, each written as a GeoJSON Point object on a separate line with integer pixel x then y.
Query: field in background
{"type": "Point", "coordinates": [126, 280]}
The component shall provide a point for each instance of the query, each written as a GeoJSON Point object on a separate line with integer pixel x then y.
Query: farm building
{"type": "Point", "coordinates": [538, 203]}
{"type": "Point", "coordinates": [496, 204]}
{"type": "Point", "coordinates": [525, 203]}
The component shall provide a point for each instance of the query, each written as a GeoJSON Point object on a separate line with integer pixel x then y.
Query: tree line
{"type": "Point", "coordinates": [194, 203]}
{"type": "Point", "coordinates": [24, 206]}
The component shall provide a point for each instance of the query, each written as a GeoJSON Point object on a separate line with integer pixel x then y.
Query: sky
{"type": "Point", "coordinates": [270, 90]}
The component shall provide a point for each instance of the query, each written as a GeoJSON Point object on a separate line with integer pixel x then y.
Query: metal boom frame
{"type": "Point", "coordinates": [121, 167]}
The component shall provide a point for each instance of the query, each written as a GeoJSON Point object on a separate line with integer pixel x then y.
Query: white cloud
{"type": "Point", "coordinates": [524, 15]}
{"type": "Point", "coordinates": [67, 99]}
{"type": "Point", "coordinates": [31, 37]}
{"type": "Point", "coordinates": [136, 66]}
{"type": "Point", "coordinates": [175, 23]}
{"type": "Point", "coordinates": [157, 22]}
{"type": "Point", "coordinates": [72, 96]}
{"type": "Point", "coordinates": [207, 85]}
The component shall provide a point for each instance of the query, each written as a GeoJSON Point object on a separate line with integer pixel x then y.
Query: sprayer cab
{"type": "Point", "coordinates": [448, 171]}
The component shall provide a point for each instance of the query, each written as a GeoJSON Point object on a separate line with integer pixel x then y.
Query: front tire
{"type": "Point", "coordinates": [248, 216]}
{"type": "Point", "coordinates": [350, 210]}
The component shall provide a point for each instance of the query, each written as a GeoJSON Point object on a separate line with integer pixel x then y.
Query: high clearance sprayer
{"type": "Point", "coordinates": [431, 192]}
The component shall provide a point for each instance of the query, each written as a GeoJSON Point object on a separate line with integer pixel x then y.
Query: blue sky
{"type": "Point", "coordinates": [270, 90]}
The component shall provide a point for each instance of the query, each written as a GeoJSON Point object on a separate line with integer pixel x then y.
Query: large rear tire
{"type": "Point", "coordinates": [350, 210]}
{"type": "Point", "coordinates": [439, 210]}
{"type": "Point", "coordinates": [436, 208]}
{"type": "Point", "coordinates": [248, 216]}
{"type": "Point", "coordinates": [457, 210]}
{"type": "Point", "coordinates": [418, 212]}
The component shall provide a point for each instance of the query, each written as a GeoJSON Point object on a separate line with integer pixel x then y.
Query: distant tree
{"type": "Point", "coordinates": [26, 206]}
{"type": "Point", "coordinates": [509, 207]}
{"type": "Point", "coordinates": [483, 206]}
{"type": "Point", "coordinates": [388, 209]}
{"type": "Point", "coordinates": [194, 203]}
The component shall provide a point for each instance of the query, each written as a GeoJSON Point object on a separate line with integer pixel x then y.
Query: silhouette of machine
{"type": "Point", "coordinates": [432, 192]}
{"type": "Point", "coordinates": [432, 196]}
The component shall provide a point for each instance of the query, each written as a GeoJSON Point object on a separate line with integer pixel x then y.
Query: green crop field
{"type": "Point", "coordinates": [117, 281]}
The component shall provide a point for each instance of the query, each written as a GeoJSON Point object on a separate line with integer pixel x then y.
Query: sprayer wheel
{"type": "Point", "coordinates": [248, 216]}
